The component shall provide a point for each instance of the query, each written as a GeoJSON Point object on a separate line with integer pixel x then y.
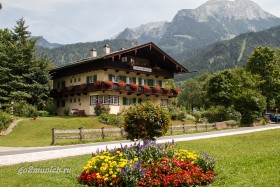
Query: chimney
{"type": "Point", "coordinates": [106, 49]}
{"type": "Point", "coordinates": [93, 53]}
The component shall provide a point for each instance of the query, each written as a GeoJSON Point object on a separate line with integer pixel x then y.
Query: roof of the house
{"type": "Point", "coordinates": [149, 51]}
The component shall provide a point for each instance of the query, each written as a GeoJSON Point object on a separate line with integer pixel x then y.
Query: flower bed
{"type": "Point", "coordinates": [148, 165]}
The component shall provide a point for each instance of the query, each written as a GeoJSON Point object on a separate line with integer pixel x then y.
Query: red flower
{"type": "Point", "coordinates": [133, 85]}
{"type": "Point", "coordinates": [108, 83]}
{"type": "Point", "coordinates": [121, 83]}
{"type": "Point", "coordinates": [97, 83]}
{"type": "Point", "coordinates": [146, 87]}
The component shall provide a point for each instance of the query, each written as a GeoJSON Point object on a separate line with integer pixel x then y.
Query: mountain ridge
{"type": "Point", "coordinates": [211, 22]}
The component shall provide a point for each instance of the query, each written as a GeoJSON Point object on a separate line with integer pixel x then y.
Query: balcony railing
{"type": "Point", "coordinates": [114, 87]}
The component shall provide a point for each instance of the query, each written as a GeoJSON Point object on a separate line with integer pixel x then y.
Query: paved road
{"type": "Point", "coordinates": [16, 155]}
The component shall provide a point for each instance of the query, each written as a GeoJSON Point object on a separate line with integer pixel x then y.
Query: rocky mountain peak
{"type": "Point", "coordinates": [227, 9]}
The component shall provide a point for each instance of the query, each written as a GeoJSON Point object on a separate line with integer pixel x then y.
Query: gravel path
{"type": "Point", "coordinates": [10, 128]}
{"type": "Point", "coordinates": [16, 155]}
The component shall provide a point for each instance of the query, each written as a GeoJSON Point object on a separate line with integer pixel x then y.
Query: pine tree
{"type": "Point", "coordinates": [26, 78]}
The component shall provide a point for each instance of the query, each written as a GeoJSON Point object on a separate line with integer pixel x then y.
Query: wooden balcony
{"type": "Point", "coordinates": [113, 87]}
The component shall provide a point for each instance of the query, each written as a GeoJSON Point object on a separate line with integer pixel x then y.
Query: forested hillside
{"type": "Point", "coordinates": [73, 52]}
{"type": "Point", "coordinates": [227, 54]}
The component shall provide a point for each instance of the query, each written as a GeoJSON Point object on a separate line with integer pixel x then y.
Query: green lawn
{"type": "Point", "coordinates": [31, 132]}
{"type": "Point", "coordinates": [242, 160]}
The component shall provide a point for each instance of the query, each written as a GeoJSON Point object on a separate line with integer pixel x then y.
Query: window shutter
{"type": "Point", "coordinates": [139, 100]}
{"type": "Point", "coordinates": [140, 81]}
{"type": "Point", "coordinates": [110, 77]}
{"type": "Point", "coordinates": [134, 79]}
{"type": "Point", "coordinates": [95, 78]}
{"type": "Point", "coordinates": [124, 101]}
{"type": "Point", "coordinates": [134, 100]}
{"type": "Point", "coordinates": [150, 82]}
{"type": "Point", "coordinates": [87, 79]}
{"type": "Point", "coordinates": [63, 84]}
{"type": "Point", "coordinates": [160, 83]}
{"type": "Point", "coordinates": [123, 78]}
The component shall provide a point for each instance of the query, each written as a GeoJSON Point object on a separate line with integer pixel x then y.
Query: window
{"type": "Point", "coordinates": [129, 101]}
{"type": "Point", "coordinates": [93, 100]}
{"type": "Point", "coordinates": [158, 82]}
{"type": "Point", "coordinates": [114, 100]}
{"type": "Point", "coordinates": [140, 81]}
{"type": "Point", "coordinates": [150, 82]}
{"type": "Point", "coordinates": [91, 78]}
{"type": "Point", "coordinates": [124, 59]}
{"type": "Point", "coordinates": [106, 99]}
{"type": "Point", "coordinates": [123, 78]}
{"type": "Point", "coordinates": [62, 84]}
{"type": "Point", "coordinates": [79, 79]}
{"type": "Point", "coordinates": [70, 80]}
{"type": "Point", "coordinates": [75, 79]}
{"type": "Point", "coordinates": [113, 78]}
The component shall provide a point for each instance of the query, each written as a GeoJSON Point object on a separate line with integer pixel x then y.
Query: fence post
{"type": "Point", "coordinates": [171, 131]}
{"type": "Point", "coordinates": [206, 126]}
{"type": "Point", "coordinates": [121, 131]}
{"type": "Point", "coordinates": [195, 125]}
{"type": "Point", "coordinates": [184, 127]}
{"type": "Point", "coordinates": [53, 136]}
{"type": "Point", "coordinates": [81, 133]}
{"type": "Point", "coordinates": [102, 133]}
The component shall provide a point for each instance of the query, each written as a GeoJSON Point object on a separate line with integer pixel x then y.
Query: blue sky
{"type": "Point", "coordinates": [73, 21]}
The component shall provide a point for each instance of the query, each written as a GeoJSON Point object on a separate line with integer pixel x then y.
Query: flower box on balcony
{"type": "Point", "coordinates": [146, 87]}
{"type": "Point", "coordinates": [134, 86]}
{"type": "Point", "coordinates": [97, 83]}
{"type": "Point", "coordinates": [108, 84]}
{"type": "Point", "coordinates": [121, 83]}
{"type": "Point", "coordinates": [59, 90]}
{"type": "Point", "coordinates": [176, 90]}
{"type": "Point", "coordinates": [157, 88]}
{"type": "Point", "coordinates": [167, 89]}
{"type": "Point", "coordinates": [83, 86]}
{"type": "Point", "coordinates": [70, 88]}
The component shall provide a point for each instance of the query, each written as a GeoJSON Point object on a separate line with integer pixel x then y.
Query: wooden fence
{"type": "Point", "coordinates": [117, 132]}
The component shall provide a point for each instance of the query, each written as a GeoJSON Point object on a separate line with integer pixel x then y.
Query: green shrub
{"type": "Point", "coordinates": [146, 121]}
{"type": "Point", "coordinates": [50, 107]}
{"type": "Point", "coordinates": [43, 113]}
{"type": "Point", "coordinates": [111, 119]}
{"type": "Point", "coordinates": [220, 113]}
{"type": "Point", "coordinates": [24, 109]}
{"type": "Point", "coordinates": [177, 113]}
{"type": "Point", "coordinates": [5, 120]}
{"type": "Point", "coordinates": [101, 109]}
{"type": "Point", "coordinates": [232, 123]}
{"type": "Point", "coordinates": [66, 111]}
{"type": "Point", "coordinates": [190, 117]}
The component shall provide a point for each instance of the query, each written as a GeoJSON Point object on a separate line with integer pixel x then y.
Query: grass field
{"type": "Point", "coordinates": [241, 160]}
{"type": "Point", "coordinates": [31, 132]}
